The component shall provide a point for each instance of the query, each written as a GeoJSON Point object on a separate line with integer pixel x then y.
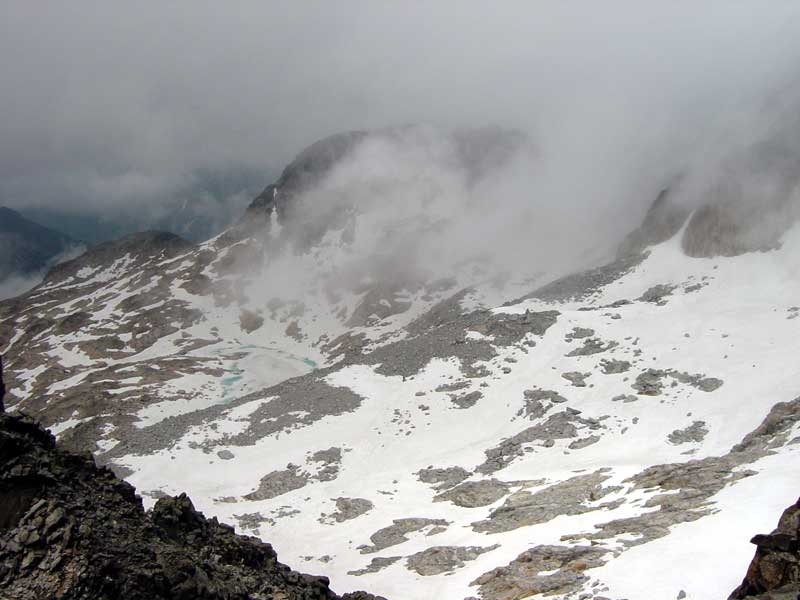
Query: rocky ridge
{"type": "Point", "coordinates": [774, 573]}
{"type": "Point", "coordinates": [72, 530]}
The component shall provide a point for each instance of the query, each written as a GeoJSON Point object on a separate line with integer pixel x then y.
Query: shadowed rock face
{"type": "Point", "coordinates": [663, 220]}
{"type": "Point", "coordinates": [774, 573]}
{"type": "Point", "coordinates": [728, 224]}
{"type": "Point", "coordinates": [305, 171]}
{"type": "Point", "coordinates": [733, 229]}
{"type": "Point", "coordinates": [69, 529]}
{"type": "Point", "coordinates": [475, 152]}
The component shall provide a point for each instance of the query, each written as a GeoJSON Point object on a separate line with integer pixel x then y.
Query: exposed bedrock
{"type": "Point", "coordinates": [774, 572]}
{"type": "Point", "coordinates": [663, 220]}
{"type": "Point", "coordinates": [72, 530]}
{"type": "Point", "coordinates": [728, 221]}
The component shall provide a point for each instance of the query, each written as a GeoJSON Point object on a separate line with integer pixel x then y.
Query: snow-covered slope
{"type": "Point", "coordinates": [620, 432]}
{"type": "Point", "coordinates": [671, 445]}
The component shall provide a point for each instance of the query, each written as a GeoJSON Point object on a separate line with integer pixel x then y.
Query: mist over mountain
{"type": "Point", "coordinates": [28, 250]}
{"type": "Point", "coordinates": [197, 207]}
{"type": "Point", "coordinates": [617, 99]}
{"type": "Point", "coordinates": [517, 319]}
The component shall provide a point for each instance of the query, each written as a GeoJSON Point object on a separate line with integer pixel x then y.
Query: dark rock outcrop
{"type": "Point", "coordinates": [475, 150]}
{"type": "Point", "coordinates": [730, 218]}
{"type": "Point", "coordinates": [774, 573]}
{"type": "Point", "coordinates": [2, 387]}
{"type": "Point", "coordinates": [72, 530]}
{"type": "Point", "coordinates": [663, 220]}
{"type": "Point", "coordinates": [472, 152]}
{"type": "Point", "coordinates": [305, 171]}
{"type": "Point", "coordinates": [731, 229]}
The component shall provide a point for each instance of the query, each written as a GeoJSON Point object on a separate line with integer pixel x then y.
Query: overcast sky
{"type": "Point", "coordinates": [106, 104]}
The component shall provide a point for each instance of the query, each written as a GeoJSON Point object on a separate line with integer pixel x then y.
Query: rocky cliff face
{"type": "Point", "coordinates": [474, 150]}
{"type": "Point", "coordinates": [663, 220]}
{"type": "Point", "coordinates": [722, 228]}
{"type": "Point", "coordinates": [471, 152]}
{"type": "Point", "coordinates": [71, 530]}
{"type": "Point", "coordinates": [774, 573]}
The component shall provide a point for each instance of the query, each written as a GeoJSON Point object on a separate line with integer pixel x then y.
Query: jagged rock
{"type": "Point", "coordinates": [444, 559]}
{"type": "Point", "coordinates": [350, 508]}
{"type": "Point", "coordinates": [774, 573]}
{"type": "Point", "coordinates": [439, 333]}
{"type": "Point", "coordinates": [708, 384]}
{"type": "Point", "coordinates": [592, 346]}
{"type": "Point", "coordinates": [727, 229]}
{"type": "Point", "coordinates": [582, 285]}
{"type": "Point", "coordinates": [329, 460]}
{"type": "Point", "coordinates": [625, 398]}
{"type": "Point", "coordinates": [70, 529]}
{"type": "Point", "coordinates": [252, 521]}
{"type": "Point", "coordinates": [538, 394]}
{"type": "Point", "coordinates": [541, 570]}
{"type": "Point", "coordinates": [579, 333]}
{"type": "Point", "coordinates": [569, 497]}
{"type": "Point", "coordinates": [466, 400]}
{"type": "Point", "coordinates": [250, 321]}
{"type": "Point", "coordinates": [657, 294]}
{"type": "Point", "coordinates": [398, 531]}
{"type": "Point", "coordinates": [577, 378]}
{"type": "Point", "coordinates": [277, 483]}
{"type": "Point", "coordinates": [2, 387]}
{"type": "Point", "coordinates": [452, 387]}
{"type": "Point", "coordinates": [508, 329]}
{"type": "Point", "coordinates": [664, 219]}
{"type": "Point", "coordinates": [559, 426]}
{"type": "Point", "coordinates": [475, 151]}
{"type": "Point", "coordinates": [705, 384]}
{"type": "Point", "coordinates": [442, 478]}
{"type": "Point", "coordinates": [376, 564]}
{"type": "Point", "coordinates": [686, 487]}
{"type": "Point", "coordinates": [138, 246]}
{"type": "Point", "coordinates": [378, 304]}
{"type": "Point", "coordinates": [472, 494]}
{"type": "Point", "coordinates": [307, 169]}
{"type": "Point", "coordinates": [648, 383]}
{"type": "Point", "coordinates": [695, 432]}
{"type": "Point", "coordinates": [613, 367]}
{"type": "Point", "coordinates": [533, 408]}
{"type": "Point", "coordinates": [584, 442]}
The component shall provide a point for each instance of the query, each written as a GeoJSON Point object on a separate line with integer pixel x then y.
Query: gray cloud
{"type": "Point", "coordinates": [109, 105]}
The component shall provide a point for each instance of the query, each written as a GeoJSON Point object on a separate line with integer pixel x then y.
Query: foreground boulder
{"type": "Point", "coordinates": [72, 530]}
{"type": "Point", "coordinates": [774, 573]}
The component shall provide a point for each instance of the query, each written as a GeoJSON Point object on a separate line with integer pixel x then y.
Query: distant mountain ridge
{"type": "Point", "coordinates": [27, 250]}
{"type": "Point", "coordinates": [25, 246]}
{"type": "Point", "coordinates": [207, 202]}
